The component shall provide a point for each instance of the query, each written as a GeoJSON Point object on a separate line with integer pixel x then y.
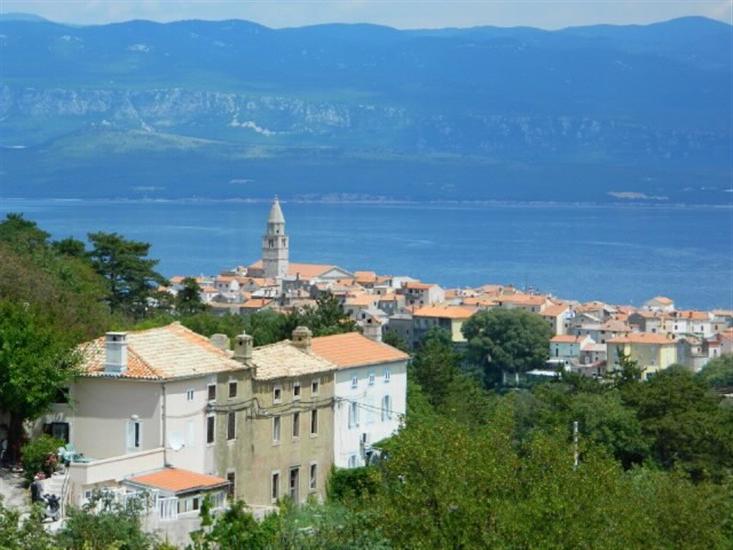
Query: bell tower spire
{"type": "Point", "coordinates": [275, 244]}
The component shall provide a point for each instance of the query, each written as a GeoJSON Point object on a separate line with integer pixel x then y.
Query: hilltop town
{"type": "Point", "coordinates": [587, 337]}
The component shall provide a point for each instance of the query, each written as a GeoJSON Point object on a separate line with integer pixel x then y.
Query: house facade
{"type": "Point", "coordinates": [370, 393]}
{"type": "Point", "coordinates": [652, 352]}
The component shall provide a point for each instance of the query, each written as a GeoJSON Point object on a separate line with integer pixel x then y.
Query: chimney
{"type": "Point", "coordinates": [243, 348]}
{"type": "Point", "coordinates": [221, 341]}
{"type": "Point", "coordinates": [115, 352]}
{"type": "Point", "coordinates": [302, 338]}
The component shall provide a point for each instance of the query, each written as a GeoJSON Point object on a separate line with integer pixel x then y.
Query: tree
{"type": "Point", "coordinates": [326, 318]}
{"type": "Point", "coordinates": [506, 340]}
{"type": "Point", "coordinates": [394, 339]}
{"type": "Point", "coordinates": [36, 361]}
{"type": "Point", "coordinates": [27, 533]}
{"type": "Point", "coordinates": [130, 275]}
{"type": "Point", "coordinates": [23, 235]}
{"type": "Point", "coordinates": [718, 373]}
{"type": "Point", "coordinates": [688, 428]}
{"type": "Point", "coordinates": [104, 523]}
{"type": "Point", "coordinates": [188, 299]}
{"type": "Point", "coordinates": [435, 365]}
{"type": "Point", "coordinates": [70, 247]}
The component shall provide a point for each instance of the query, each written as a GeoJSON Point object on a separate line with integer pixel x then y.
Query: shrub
{"type": "Point", "coordinates": [346, 484]}
{"type": "Point", "coordinates": [39, 455]}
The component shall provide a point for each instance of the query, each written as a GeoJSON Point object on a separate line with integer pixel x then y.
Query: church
{"type": "Point", "coordinates": [275, 262]}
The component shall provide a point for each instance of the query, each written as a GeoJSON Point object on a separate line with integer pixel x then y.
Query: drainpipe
{"type": "Point", "coordinates": [163, 413]}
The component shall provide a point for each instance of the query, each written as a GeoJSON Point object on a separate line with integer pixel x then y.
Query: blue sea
{"type": "Point", "coordinates": [619, 254]}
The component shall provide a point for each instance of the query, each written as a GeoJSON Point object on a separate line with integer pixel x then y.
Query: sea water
{"type": "Point", "coordinates": [619, 254]}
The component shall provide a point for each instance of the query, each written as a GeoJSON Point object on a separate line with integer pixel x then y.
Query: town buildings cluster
{"type": "Point", "coordinates": [177, 416]}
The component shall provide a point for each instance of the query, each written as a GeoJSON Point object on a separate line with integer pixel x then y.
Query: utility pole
{"type": "Point", "coordinates": [575, 444]}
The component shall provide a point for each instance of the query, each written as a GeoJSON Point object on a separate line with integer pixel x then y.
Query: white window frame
{"type": "Point", "coordinates": [275, 390]}
{"type": "Point", "coordinates": [353, 415]}
{"type": "Point", "coordinates": [372, 378]}
{"type": "Point", "coordinates": [132, 424]}
{"type": "Point", "coordinates": [213, 431]}
{"type": "Point", "coordinates": [354, 382]}
{"type": "Point", "coordinates": [275, 486]}
{"type": "Point", "coordinates": [276, 430]}
{"type": "Point", "coordinates": [387, 375]}
{"type": "Point", "coordinates": [386, 408]}
{"type": "Point", "coordinates": [300, 391]}
{"type": "Point", "coordinates": [208, 392]}
{"type": "Point", "coordinates": [315, 387]}
{"type": "Point", "coordinates": [313, 476]}
{"type": "Point", "coordinates": [190, 394]}
{"type": "Point", "coordinates": [229, 389]}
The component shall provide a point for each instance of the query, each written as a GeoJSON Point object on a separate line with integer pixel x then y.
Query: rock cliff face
{"type": "Point", "coordinates": [578, 101]}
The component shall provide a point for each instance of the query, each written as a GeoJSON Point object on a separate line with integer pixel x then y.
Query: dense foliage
{"type": "Point", "coordinates": [39, 455]}
{"type": "Point", "coordinates": [506, 341]}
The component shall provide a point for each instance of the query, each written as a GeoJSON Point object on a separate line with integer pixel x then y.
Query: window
{"type": "Point", "coordinates": [231, 478]}
{"type": "Point", "coordinates": [189, 395]}
{"type": "Point", "coordinates": [232, 389]}
{"type": "Point", "coordinates": [293, 484]}
{"type": "Point", "coordinates": [354, 382]}
{"type": "Point", "coordinates": [277, 394]}
{"type": "Point", "coordinates": [62, 395]}
{"type": "Point", "coordinates": [276, 429]}
{"type": "Point", "coordinates": [352, 461]}
{"type": "Point", "coordinates": [314, 387]}
{"type": "Point", "coordinates": [212, 392]}
{"type": "Point", "coordinates": [313, 479]}
{"type": "Point", "coordinates": [386, 375]}
{"type": "Point", "coordinates": [314, 422]}
{"type": "Point", "coordinates": [210, 425]}
{"type": "Point", "coordinates": [296, 391]}
{"type": "Point", "coordinates": [353, 415]}
{"type": "Point", "coordinates": [296, 424]}
{"type": "Point", "coordinates": [231, 425]}
{"type": "Point", "coordinates": [275, 486]}
{"type": "Point", "coordinates": [134, 435]}
{"type": "Point", "coordinates": [386, 408]}
{"type": "Point", "coordinates": [371, 378]}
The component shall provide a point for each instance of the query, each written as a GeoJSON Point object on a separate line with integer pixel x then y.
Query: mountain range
{"type": "Point", "coordinates": [233, 109]}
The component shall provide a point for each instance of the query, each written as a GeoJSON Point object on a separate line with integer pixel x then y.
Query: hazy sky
{"type": "Point", "coordinates": [396, 13]}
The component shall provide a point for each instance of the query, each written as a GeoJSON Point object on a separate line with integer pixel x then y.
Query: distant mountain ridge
{"type": "Point", "coordinates": [584, 113]}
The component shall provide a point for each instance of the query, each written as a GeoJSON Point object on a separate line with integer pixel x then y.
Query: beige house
{"type": "Point", "coordinates": [275, 438]}
{"type": "Point", "coordinates": [653, 352]}
{"type": "Point", "coordinates": [258, 421]}
{"type": "Point", "coordinates": [450, 318]}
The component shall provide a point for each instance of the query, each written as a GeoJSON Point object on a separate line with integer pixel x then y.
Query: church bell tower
{"type": "Point", "coordinates": [275, 244]}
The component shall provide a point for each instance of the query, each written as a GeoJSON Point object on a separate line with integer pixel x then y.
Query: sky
{"type": "Point", "coordinates": [396, 13]}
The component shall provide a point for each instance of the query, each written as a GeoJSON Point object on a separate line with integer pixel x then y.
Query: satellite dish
{"type": "Point", "coordinates": [175, 441]}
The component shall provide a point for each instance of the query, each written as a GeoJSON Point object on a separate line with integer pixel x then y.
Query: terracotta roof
{"type": "Point", "coordinates": [479, 301]}
{"type": "Point", "coordinates": [177, 279]}
{"type": "Point", "coordinates": [256, 303]}
{"type": "Point", "coordinates": [445, 312]}
{"type": "Point", "coordinates": [284, 360]}
{"type": "Point", "coordinates": [417, 285]}
{"type": "Point", "coordinates": [353, 349]}
{"type": "Point", "coordinates": [554, 310]}
{"type": "Point", "coordinates": [305, 271]}
{"type": "Point", "coordinates": [693, 315]}
{"type": "Point", "coordinates": [567, 339]}
{"type": "Point", "coordinates": [171, 351]}
{"type": "Point", "coordinates": [365, 276]}
{"type": "Point", "coordinates": [176, 480]}
{"type": "Point", "coordinates": [361, 300]}
{"type": "Point", "coordinates": [641, 338]}
{"type": "Point", "coordinates": [662, 300]}
{"type": "Point", "coordinates": [524, 299]}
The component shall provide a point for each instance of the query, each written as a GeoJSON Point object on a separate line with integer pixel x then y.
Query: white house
{"type": "Point", "coordinates": [370, 393]}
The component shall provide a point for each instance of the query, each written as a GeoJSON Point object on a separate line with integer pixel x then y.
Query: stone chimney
{"type": "Point", "coordinates": [115, 352]}
{"type": "Point", "coordinates": [243, 348]}
{"type": "Point", "coordinates": [221, 341]}
{"type": "Point", "coordinates": [302, 337]}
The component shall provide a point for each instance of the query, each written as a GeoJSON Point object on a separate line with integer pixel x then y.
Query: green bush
{"type": "Point", "coordinates": [39, 455]}
{"type": "Point", "coordinates": [345, 484]}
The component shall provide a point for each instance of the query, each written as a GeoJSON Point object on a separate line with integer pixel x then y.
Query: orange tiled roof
{"type": "Point", "coordinates": [445, 312]}
{"type": "Point", "coordinates": [361, 300]}
{"type": "Point", "coordinates": [177, 480]}
{"type": "Point", "coordinates": [256, 303]}
{"type": "Point", "coordinates": [524, 299]}
{"type": "Point", "coordinates": [641, 338]}
{"type": "Point", "coordinates": [365, 276]}
{"type": "Point", "coordinates": [353, 350]}
{"type": "Point", "coordinates": [417, 285]}
{"type": "Point", "coordinates": [305, 271]}
{"type": "Point", "coordinates": [554, 310]}
{"type": "Point", "coordinates": [567, 339]}
{"type": "Point", "coordinates": [479, 301]}
{"type": "Point", "coordinates": [161, 353]}
{"type": "Point", "coordinates": [693, 315]}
